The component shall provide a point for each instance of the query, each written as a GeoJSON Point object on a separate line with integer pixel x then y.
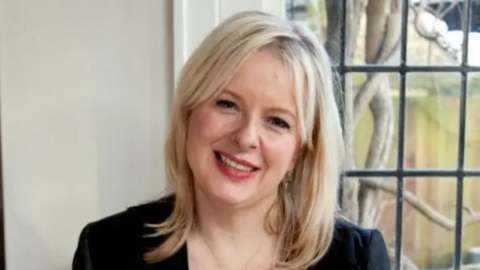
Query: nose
{"type": "Point", "coordinates": [246, 136]}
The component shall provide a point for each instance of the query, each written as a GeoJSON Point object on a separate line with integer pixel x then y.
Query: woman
{"type": "Point", "coordinates": [253, 155]}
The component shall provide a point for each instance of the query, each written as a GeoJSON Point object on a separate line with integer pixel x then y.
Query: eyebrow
{"type": "Point", "coordinates": [230, 92]}
{"type": "Point", "coordinates": [272, 109]}
{"type": "Point", "coordinates": [283, 110]}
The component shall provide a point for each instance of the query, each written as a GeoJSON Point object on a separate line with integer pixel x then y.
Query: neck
{"type": "Point", "coordinates": [238, 225]}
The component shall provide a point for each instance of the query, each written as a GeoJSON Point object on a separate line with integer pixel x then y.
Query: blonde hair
{"type": "Point", "coordinates": [309, 208]}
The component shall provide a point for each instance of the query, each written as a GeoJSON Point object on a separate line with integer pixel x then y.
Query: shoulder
{"type": "Point", "coordinates": [136, 216]}
{"type": "Point", "coordinates": [120, 238]}
{"type": "Point", "coordinates": [354, 247]}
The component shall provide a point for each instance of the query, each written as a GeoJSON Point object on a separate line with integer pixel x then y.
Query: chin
{"type": "Point", "coordinates": [231, 197]}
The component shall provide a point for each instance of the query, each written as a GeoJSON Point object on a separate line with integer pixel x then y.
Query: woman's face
{"type": "Point", "coordinates": [241, 145]}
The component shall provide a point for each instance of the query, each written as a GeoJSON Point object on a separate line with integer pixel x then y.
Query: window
{"type": "Point", "coordinates": [409, 96]}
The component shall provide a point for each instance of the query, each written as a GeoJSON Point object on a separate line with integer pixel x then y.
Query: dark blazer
{"type": "Point", "coordinates": [117, 242]}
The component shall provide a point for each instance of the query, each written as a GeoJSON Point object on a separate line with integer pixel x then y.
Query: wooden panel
{"type": "Point", "coordinates": [432, 143]}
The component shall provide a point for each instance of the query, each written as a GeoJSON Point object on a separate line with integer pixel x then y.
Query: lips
{"type": "Point", "coordinates": [234, 168]}
{"type": "Point", "coordinates": [235, 163]}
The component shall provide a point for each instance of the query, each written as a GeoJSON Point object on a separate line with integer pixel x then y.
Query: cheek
{"type": "Point", "coordinates": [198, 140]}
{"type": "Point", "coordinates": [280, 153]}
{"type": "Point", "coordinates": [205, 127]}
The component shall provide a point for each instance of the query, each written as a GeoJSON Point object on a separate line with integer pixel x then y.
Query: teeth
{"type": "Point", "coordinates": [235, 165]}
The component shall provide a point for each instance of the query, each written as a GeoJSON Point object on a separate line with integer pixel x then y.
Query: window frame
{"type": "Point", "coordinates": [401, 173]}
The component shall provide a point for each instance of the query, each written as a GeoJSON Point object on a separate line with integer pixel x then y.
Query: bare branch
{"type": "Point", "coordinates": [382, 47]}
{"type": "Point", "coordinates": [382, 110]}
{"type": "Point", "coordinates": [453, 4]}
{"type": "Point", "coordinates": [468, 209]}
{"type": "Point", "coordinates": [465, 208]}
{"type": "Point", "coordinates": [383, 32]}
{"type": "Point", "coordinates": [369, 87]}
{"type": "Point", "coordinates": [424, 208]}
{"type": "Point", "coordinates": [381, 208]}
{"type": "Point", "coordinates": [345, 100]}
{"type": "Point", "coordinates": [376, 30]}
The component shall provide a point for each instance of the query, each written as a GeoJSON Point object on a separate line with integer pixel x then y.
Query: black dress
{"type": "Point", "coordinates": [117, 243]}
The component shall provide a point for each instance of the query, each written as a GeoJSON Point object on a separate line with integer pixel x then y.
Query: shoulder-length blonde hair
{"type": "Point", "coordinates": [309, 208]}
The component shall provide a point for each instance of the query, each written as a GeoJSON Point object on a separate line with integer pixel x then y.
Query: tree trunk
{"type": "Point", "coordinates": [383, 35]}
{"type": "Point", "coordinates": [345, 99]}
{"type": "Point", "coordinates": [361, 202]}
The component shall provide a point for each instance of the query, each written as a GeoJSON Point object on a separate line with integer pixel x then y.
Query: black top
{"type": "Point", "coordinates": [117, 242]}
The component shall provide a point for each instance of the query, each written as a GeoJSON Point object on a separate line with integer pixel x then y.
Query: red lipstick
{"type": "Point", "coordinates": [232, 173]}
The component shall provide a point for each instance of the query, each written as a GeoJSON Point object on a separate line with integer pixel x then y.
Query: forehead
{"type": "Point", "coordinates": [264, 73]}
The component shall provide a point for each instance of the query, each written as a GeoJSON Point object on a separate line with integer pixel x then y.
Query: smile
{"type": "Point", "coordinates": [236, 165]}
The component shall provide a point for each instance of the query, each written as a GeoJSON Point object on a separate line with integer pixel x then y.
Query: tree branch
{"type": "Point", "coordinates": [381, 209]}
{"type": "Point", "coordinates": [453, 5]}
{"type": "Point", "coordinates": [370, 86]}
{"type": "Point", "coordinates": [382, 110]}
{"type": "Point", "coordinates": [345, 99]}
{"type": "Point", "coordinates": [383, 32]}
{"type": "Point", "coordinates": [426, 210]}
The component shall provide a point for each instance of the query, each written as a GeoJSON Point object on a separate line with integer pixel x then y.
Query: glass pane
{"type": "Point", "coordinates": [296, 10]}
{"type": "Point", "coordinates": [472, 143]}
{"type": "Point", "coordinates": [433, 34]}
{"type": "Point", "coordinates": [363, 46]}
{"type": "Point", "coordinates": [386, 216]}
{"type": "Point", "coordinates": [376, 130]}
{"type": "Point", "coordinates": [432, 113]}
{"type": "Point", "coordinates": [370, 39]}
{"type": "Point", "coordinates": [437, 30]}
{"type": "Point", "coordinates": [378, 209]}
{"type": "Point", "coordinates": [471, 237]}
{"type": "Point", "coordinates": [474, 35]}
{"type": "Point", "coordinates": [427, 244]}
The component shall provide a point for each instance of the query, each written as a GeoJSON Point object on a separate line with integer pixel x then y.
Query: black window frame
{"type": "Point", "coordinates": [400, 173]}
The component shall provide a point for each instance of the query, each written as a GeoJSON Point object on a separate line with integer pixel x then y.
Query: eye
{"type": "Point", "coordinates": [226, 104]}
{"type": "Point", "coordinates": [279, 122]}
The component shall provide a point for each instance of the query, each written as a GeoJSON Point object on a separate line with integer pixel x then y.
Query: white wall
{"type": "Point", "coordinates": [85, 88]}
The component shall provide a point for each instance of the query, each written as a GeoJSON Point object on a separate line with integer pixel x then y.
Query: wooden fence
{"type": "Point", "coordinates": [432, 124]}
